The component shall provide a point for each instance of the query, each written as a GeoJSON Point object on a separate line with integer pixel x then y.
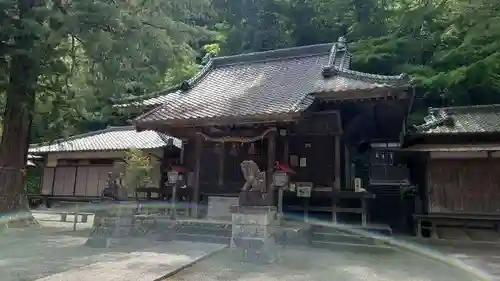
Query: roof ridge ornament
{"type": "Point", "coordinates": [342, 43]}
{"type": "Point", "coordinates": [338, 47]}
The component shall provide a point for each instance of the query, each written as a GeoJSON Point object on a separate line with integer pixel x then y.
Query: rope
{"type": "Point", "coordinates": [236, 138]}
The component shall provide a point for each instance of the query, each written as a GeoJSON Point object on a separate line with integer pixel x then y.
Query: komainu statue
{"type": "Point", "coordinates": [254, 191]}
{"type": "Point", "coordinates": [255, 180]}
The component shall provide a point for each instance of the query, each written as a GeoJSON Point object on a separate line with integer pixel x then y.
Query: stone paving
{"type": "Point", "coordinates": [56, 254]}
{"type": "Point", "coordinates": [483, 257]}
{"type": "Point", "coordinates": [320, 264]}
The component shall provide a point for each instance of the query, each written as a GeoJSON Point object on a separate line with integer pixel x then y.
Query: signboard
{"type": "Point", "coordinates": [304, 189]}
{"type": "Point", "coordinates": [357, 185]}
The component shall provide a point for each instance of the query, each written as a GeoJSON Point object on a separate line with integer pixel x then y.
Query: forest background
{"type": "Point", "coordinates": [63, 63]}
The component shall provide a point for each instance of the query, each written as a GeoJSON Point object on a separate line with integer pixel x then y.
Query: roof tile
{"type": "Point", "coordinates": [463, 119]}
{"type": "Point", "coordinates": [110, 139]}
{"type": "Point", "coordinates": [272, 82]}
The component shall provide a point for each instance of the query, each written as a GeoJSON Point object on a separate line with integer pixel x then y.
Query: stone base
{"type": "Point", "coordinates": [255, 251]}
{"type": "Point", "coordinates": [253, 233]}
{"type": "Point", "coordinates": [98, 242]}
{"type": "Point", "coordinates": [256, 198]}
{"type": "Point", "coordinates": [112, 225]}
{"type": "Point", "coordinates": [219, 207]}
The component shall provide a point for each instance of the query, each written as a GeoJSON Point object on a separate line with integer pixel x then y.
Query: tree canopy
{"type": "Point", "coordinates": [63, 61]}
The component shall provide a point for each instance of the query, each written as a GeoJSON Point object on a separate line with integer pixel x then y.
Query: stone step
{"type": "Point", "coordinates": [203, 230]}
{"type": "Point", "coordinates": [202, 238]}
{"type": "Point", "coordinates": [356, 229]}
{"type": "Point", "coordinates": [362, 236]}
{"type": "Point", "coordinates": [347, 246]}
{"type": "Point", "coordinates": [341, 238]}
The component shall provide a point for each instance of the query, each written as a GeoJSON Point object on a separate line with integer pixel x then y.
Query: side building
{"type": "Point", "coordinates": [455, 162]}
{"type": "Point", "coordinates": [77, 168]}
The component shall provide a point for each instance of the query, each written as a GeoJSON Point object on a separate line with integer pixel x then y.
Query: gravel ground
{"type": "Point", "coordinates": [56, 253]}
{"type": "Point", "coordinates": [320, 264]}
{"type": "Point", "coordinates": [41, 256]}
{"type": "Point", "coordinates": [56, 249]}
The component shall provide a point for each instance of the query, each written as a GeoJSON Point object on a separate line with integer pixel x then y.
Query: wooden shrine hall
{"type": "Point", "coordinates": [303, 107]}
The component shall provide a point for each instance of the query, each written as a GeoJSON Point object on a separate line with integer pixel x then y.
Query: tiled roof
{"type": "Point", "coordinates": [272, 82]}
{"type": "Point", "coordinates": [110, 139]}
{"type": "Point", "coordinates": [147, 101]}
{"type": "Point", "coordinates": [463, 119]}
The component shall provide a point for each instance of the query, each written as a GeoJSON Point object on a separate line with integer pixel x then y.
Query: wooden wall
{"type": "Point", "coordinates": [320, 161]}
{"type": "Point", "coordinates": [464, 185]}
{"type": "Point", "coordinates": [227, 156]}
{"type": "Point", "coordinates": [317, 150]}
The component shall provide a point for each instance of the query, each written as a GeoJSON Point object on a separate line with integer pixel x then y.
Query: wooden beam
{"type": "Point", "coordinates": [197, 168]}
{"type": "Point", "coordinates": [347, 169]}
{"type": "Point", "coordinates": [337, 172]}
{"type": "Point", "coordinates": [221, 163]}
{"type": "Point", "coordinates": [271, 158]}
{"type": "Point", "coordinates": [285, 150]}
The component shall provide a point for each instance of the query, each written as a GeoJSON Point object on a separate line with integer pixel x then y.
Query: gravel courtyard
{"type": "Point", "coordinates": [319, 264]}
{"type": "Point", "coordinates": [56, 253]}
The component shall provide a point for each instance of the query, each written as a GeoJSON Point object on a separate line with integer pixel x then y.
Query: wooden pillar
{"type": "Point", "coordinates": [337, 172]}
{"type": "Point", "coordinates": [221, 163]}
{"type": "Point", "coordinates": [285, 162]}
{"type": "Point", "coordinates": [197, 168]}
{"type": "Point", "coordinates": [271, 158]}
{"type": "Point", "coordinates": [348, 169]}
{"type": "Point", "coordinates": [285, 150]}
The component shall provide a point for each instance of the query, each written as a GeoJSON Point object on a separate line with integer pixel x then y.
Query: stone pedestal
{"type": "Point", "coordinates": [219, 207]}
{"type": "Point", "coordinates": [112, 224]}
{"type": "Point", "coordinates": [253, 233]}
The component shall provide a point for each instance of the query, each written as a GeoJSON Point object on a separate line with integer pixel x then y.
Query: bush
{"type": "Point", "coordinates": [137, 169]}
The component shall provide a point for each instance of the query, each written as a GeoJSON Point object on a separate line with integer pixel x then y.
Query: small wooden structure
{"type": "Point", "coordinates": [77, 168]}
{"type": "Point", "coordinates": [455, 161]}
{"type": "Point", "coordinates": [304, 107]}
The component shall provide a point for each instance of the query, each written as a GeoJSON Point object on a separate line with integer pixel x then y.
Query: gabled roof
{"type": "Point", "coordinates": [272, 82]}
{"type": "Point", "coordinates": [110, 139]}
{"type": "Point", "coordinates": [462, 119]}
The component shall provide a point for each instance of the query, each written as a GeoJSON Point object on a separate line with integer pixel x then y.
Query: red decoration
{"type": "Point", "coordinates": [284, 168]}
{"type": "Point", "coordinates": [179, 169]}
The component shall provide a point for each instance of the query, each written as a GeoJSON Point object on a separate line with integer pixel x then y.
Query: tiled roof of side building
{"type": "Point", "coordinates": [462, 119]}
{"type": "Point", "coordinates": [110, 139]}
{"type": "Point", "coordinates": [272, 82]}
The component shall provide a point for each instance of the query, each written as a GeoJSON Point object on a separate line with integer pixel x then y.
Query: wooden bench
{"type": "Point", "coordinates": [64, 214]}
{"type": "Point", "coordinates": [431, 222]}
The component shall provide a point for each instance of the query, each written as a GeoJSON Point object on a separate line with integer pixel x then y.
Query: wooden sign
{"type": "Point", "coordinates": [357, 185]}
{"type": "Point", "coordinates": [304, 189]}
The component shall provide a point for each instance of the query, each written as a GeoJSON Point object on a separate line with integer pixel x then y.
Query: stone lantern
{"type": "Point", "coordinates": [174, 175]}
{"type": "Point", "coordinates": [281, 178]}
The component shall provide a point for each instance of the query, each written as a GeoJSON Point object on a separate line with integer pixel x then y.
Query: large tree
{"type": "Point", "coordinates": [63, 59]}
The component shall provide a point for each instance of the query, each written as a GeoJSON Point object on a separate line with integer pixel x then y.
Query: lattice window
{"type": "Point", "coordinates": [383, 158]}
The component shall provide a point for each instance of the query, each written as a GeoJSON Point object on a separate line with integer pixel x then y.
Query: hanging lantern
{"type": "Point", "coordinates": [251, 149]}
{"type": "Point", "coordinates": [280, 178]}
{"type": "Point", "coordinates": [173, 176]}
{"type": "Point", "coordinates": [281, 174]}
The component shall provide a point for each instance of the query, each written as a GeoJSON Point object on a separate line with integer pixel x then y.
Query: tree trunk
{"type": "Point", "coordinates": [17, 120]}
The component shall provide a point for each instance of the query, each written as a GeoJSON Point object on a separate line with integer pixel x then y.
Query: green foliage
{"type": "Point", "coordinates": [34, 180]}
{"type": "Point", "coordinates": [92, 51]}
{"type": "Point", "coordinates": [137, 168]}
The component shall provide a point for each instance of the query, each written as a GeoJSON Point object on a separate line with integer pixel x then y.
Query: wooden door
{"type": "Point", "coordinates": [64, 181]}
{"type": "Point", "coordinates": [47, 181]}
